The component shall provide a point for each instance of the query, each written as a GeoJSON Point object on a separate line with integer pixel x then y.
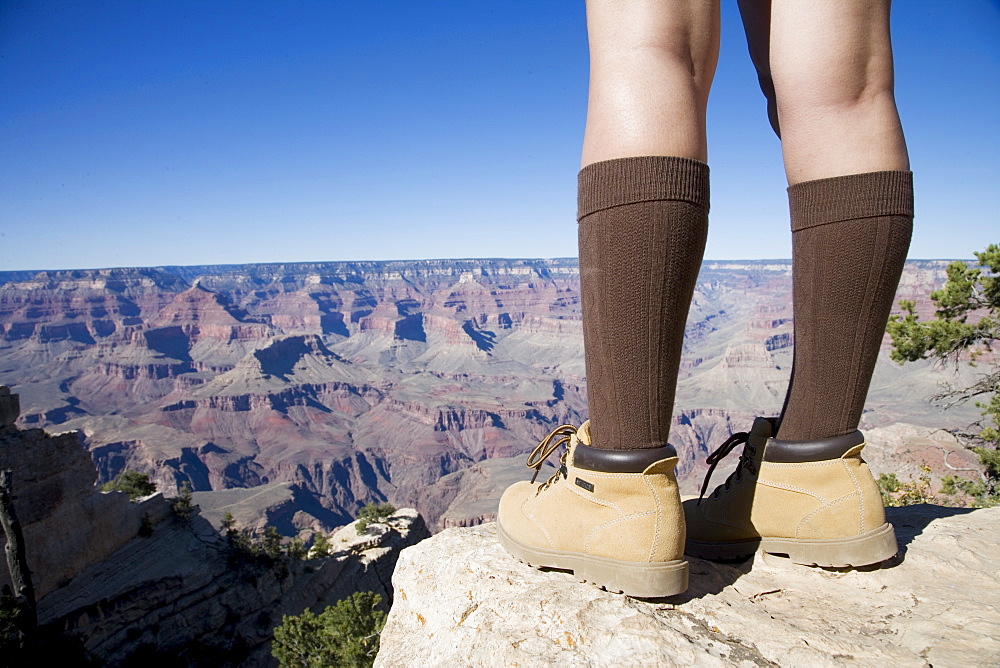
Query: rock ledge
{"type": "Point", "coordinates": [460, 600]}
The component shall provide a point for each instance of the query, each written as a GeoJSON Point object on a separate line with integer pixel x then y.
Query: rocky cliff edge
{"type": "Point", "coordinates": [142, 585]}
{"type": "Point", "coordinates": [461, 600]}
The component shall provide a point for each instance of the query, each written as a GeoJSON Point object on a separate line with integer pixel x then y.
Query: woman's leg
{"type": "Point", "coordinates": [643, 207]}
{"type": "Point", "coordinates": [831, 64]}
{"type": "Point", "coordinates": [651, 67]}
{"type": "Point", "coordinates": [612, 512]}
{"type": "Point", "coordinates": [827, 70]}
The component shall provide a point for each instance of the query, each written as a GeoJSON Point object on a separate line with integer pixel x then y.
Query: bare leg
{"type": "Point", "coordinates": [612, 514]}
{"type": "Point", "coordinates": [826, 69]}
{"type": "Point", "coordinates": [651, 67]}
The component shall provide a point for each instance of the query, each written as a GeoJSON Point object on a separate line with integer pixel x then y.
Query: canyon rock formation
{"type": "Point", "coordinates": [67, 524]}
{"type": "Point", "coordinates": [422, 383]}
{"type": "Point", "coordinates": [461, 600]}
{"type": "Point", "coordinates": [181, 595]}
{"type": "Point", "coordinates": [135, 579]}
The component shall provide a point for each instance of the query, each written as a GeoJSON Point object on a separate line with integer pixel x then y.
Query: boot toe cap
{"type": "Point", "coordinates": [512, 515]}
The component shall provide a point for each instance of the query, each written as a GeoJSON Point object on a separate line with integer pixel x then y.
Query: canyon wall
{"type": "Point", "coordinates": [140, 584]}
{"type": "Point", "coordinates": [423, 383]}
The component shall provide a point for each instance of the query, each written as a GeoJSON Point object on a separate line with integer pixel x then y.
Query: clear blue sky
{"type": "Point", "coordinates": [188, 132]}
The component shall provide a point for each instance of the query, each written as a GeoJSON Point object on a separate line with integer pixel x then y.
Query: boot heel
{"type": "Point", "coordinates": [638, 579]}
{"type": "Point", "coordinates": [641, 580]}
{"type": "Point", "coordinates": [871, 547]}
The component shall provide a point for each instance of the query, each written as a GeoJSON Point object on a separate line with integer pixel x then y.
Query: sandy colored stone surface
{"type": "Point", "coordinates": [461, 600]}
{"type": "Point", "coordinates": [67, 523]}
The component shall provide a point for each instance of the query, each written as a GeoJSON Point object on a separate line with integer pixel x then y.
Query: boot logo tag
{"type": "Point", "coordinates": [589, 486]}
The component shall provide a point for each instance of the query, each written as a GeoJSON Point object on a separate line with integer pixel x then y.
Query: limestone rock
{"type": "Point", "coordinates": [130, 578]}
{"type": "Point", "coordinates": [904, 449]}
{"type": "Point", "coordinates": [461, 600]}
{"type": "Point", "coordinates": [67, 524]}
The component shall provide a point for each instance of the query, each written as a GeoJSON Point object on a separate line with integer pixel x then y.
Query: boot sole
{"type": "Point", "coordinates": [632, 578]}
{"type": "Point", "coordinates": [864, 549]}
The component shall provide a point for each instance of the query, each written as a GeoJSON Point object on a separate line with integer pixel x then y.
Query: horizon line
{"type": "Point", "coordinates": [405, 261]}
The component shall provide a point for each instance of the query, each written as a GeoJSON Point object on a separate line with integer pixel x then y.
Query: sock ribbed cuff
{"type": "Point", "coordinates": [843, 198]}
{"type": "Point", "coordinates": [610, 183]}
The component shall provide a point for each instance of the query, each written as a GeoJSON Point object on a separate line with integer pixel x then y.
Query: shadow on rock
{"type": "Point", "coordinates": [707, 578]}
{"type": "Point", "coordinates": [711, 577]}
{"type": "Point", "coordinates": [910, 521]}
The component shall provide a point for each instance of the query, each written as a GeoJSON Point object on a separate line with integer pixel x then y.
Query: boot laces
{"type": "Point", "coordinates": [746, 460]}
{"type": "Point", "coordinates": [561, 435]}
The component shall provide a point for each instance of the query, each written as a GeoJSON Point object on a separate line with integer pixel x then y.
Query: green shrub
{"type": "Point", "coordinates": [145, 526]}
{"type": "Point", "coordinates": [976, 490]}
{"type": "Point", "coordinates": [266, 550]}
{"type": "Point", "coordinates": [183, 503]}
{"type": "Point", "coordinates": [898, 493]}
{"type": "Point", "coordinates": [374, 513]}
{"type": "Point", "coordinates": [10, 631]}
{"type": "Point", "coordinates": [133, 483]}
{"type": "Point", "coordinates": [47, 646]}
{"type": "Point", "coordinates": [345, 634]}
{"type": "Point", "coordinates": [321, 547]}
{"type": "Point", "coordinates": [296, 548]}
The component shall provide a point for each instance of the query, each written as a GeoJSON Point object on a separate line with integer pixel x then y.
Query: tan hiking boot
{"type": "Point", "coordinates": [815, 501]}
{"type": "Point", "coordinates": [612, 517]}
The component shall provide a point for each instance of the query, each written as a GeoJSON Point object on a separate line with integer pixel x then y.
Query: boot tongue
{"type": "Point", "coordinates": [763, 428]}
{"type": "Point", "coordinates": [761, 433]}
{"type": "Point", "coordinates": [582, 436]}
{"type": "Point", "coordinates": [753, 442]}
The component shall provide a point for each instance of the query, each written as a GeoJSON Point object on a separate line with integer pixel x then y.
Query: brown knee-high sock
{"type": "Point", "coordinates": [850, 235]}
{"type": "Point", "coordinates": [643, 224]}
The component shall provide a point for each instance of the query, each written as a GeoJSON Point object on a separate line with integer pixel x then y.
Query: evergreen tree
{"type": "Point", "coordinates": [965, 327]}
{"type": "Point", "coordinates": [133, 483]}
{"type": "Point", "coordinates": [374, 513]}
{"type": "Point", "coordinates": [183, 503]}
{"type": "Point", "coordinates": [321, 547]}
{"type": "Point", "coordinates": [345, 634]}
{"type": "Point", "coordinates": [270, 544]}
{"type": "Point", "coordinates": [296, 548]}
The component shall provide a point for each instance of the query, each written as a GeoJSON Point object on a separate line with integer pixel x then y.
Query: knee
{"type": "Point", "coordinates": [805, 100]}
{"type": "Point", "coordinates": [832, 82]}
{"type": "Point", "coordinates": [819, 92]}
{"type": "Point", "coordinates": [644, 37]}
{"type": "Point", "coordinates": [655, 59]}
{"type": "Point", "coordinates": [832, 126]}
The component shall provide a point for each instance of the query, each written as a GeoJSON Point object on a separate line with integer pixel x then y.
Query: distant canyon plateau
{"type": "Point", "coordinates": [316, 388]}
